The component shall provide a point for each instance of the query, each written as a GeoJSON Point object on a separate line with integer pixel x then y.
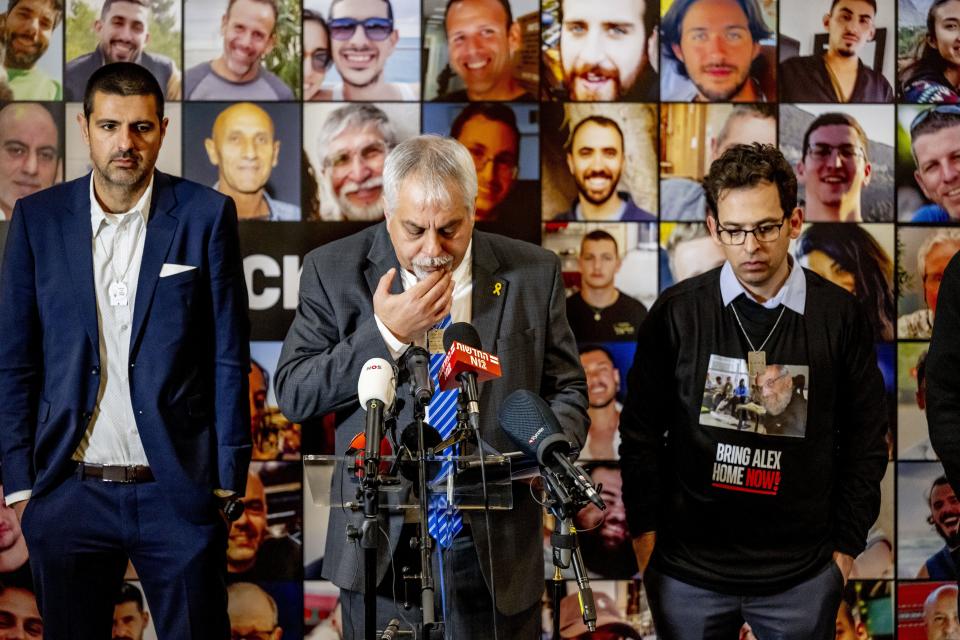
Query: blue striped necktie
{"type": "Point", "coordinates": [444, 522]}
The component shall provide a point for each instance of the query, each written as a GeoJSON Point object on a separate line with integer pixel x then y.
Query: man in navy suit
{"type": "Point", "coordinates": [124, 419]}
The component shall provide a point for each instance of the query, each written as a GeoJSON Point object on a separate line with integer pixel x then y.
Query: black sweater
{"type": "Point", "coordinates": [827, 493]}
{"type": "Point", "coordinates": [943, 367]}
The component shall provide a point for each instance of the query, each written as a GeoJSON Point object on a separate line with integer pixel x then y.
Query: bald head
{"type": "Point", "coordinates": [940, 614]}
{"type": "Point", "coordinates": [29, 154]}
{"type": "Point", "coordinates": [252, 610]}
{"type": "Point", "coordinates": [243, 148]}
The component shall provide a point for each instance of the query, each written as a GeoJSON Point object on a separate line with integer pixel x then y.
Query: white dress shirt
{"type": "Point", "coordinates": [460, 311]}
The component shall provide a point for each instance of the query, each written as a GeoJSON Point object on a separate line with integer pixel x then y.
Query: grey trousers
{"type": "Point", "coordinates": [807, 611]}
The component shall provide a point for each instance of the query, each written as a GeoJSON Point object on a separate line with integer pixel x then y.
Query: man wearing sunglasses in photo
{"type": "Point", "coordinates": [248, 30]}
{"type": "Point", "coordinates": [808, 483]}
{"type": "Point", "coordinates": [362, 38]}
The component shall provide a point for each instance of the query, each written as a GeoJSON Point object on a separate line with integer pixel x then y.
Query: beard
{"type": "Point", "coordinates": [952, 539]}
{"type": "Point", "coordinates": [20, 60]}
{"type": "Point", "coordinates": [608, 193]}
{"type": "Point", "coordinates": [777, 403]}
{"type": "Point", "coordinates": [617, 562]}
{"type": "Point", "coordinates": [723, 96]}
{"type": "Point", "coordinates": [364, 212]}
{"type": "Point", "coordinates": [123, 177]}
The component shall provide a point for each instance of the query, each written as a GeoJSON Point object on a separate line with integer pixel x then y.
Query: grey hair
{"type": "Point", "coordinates": [436, 161]}
{"type": "Point", "coordinates": [357, 115]}
{"type": "Point", "coordinates": [932, 240]}
{"type": "Point", "coordinates": [682, 233]}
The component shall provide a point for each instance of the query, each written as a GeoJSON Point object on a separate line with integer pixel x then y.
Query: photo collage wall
{"type": "Point", "coordinates": [592, 126]}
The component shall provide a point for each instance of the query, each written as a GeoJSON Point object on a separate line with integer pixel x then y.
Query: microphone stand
{"type": "Point", "coordinates": [431, 628]}
{"type": "Point", "coordinates": [369, 529]}
{"type": "Point", "coordinates": [565, 502]}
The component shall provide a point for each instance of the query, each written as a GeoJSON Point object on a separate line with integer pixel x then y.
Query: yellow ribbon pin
{"type": "Point", "coordinates": [497, 288]}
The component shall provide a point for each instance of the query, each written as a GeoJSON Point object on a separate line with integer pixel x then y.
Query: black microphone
{"type": "Point", "coordinates": [529, 422]}
{"type": "Point", "coordinates": [415, 362]}
{"type": "Point", "coordinates": [464, 333]}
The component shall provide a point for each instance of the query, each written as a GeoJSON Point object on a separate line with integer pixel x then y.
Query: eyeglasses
{"type": "Point", "coordinates": [376, 29]}
{"type": "Point", "coordinates": [320, 59]}
{"type": "Point", "coordinates": [824, 152]}
{"type": "Point", "coordinates": [771, 383]}
{"type": "Point", "coordinates": [944, 109]}
{"type": "Point", "coordinates": [504, 164]}
{"type": "Point", "coordinates": [371, 153]}
{"type": "Point", "coordinates": [763, 233]}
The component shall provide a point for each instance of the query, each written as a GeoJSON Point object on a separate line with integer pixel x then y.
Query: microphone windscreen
{"type": "Point", "coordinates": [377, 380]}
{"type": "Point", "coordinates": [527, 420]}
{"type": "Point", "coordinates": [464, 333]}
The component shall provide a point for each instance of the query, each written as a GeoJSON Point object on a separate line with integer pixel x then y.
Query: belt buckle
{"type": "Point", "coordinates": [116, 474]}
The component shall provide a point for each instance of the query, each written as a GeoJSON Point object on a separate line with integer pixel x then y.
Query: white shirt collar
{"type": "Point", "coordinates": [98, 216]}
{"type": "Point", "coordinates": [792, 295]}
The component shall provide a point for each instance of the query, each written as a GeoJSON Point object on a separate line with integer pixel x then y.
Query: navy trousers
{"type": "Point", "coordinates": [80, 536]}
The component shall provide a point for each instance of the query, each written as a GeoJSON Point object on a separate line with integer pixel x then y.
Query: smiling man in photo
{"type": "Point", "coordinates": [834, 169]}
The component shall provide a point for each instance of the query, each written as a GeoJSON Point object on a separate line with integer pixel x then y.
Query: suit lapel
{"type": "Point", "coordinates": [380, 259]}
{"type": "Point", "coordinates": [78, 245]}
{"type": "Point", "coordinates": [489, 292]}
{"type": "Point", "coordinates": [160, 229]}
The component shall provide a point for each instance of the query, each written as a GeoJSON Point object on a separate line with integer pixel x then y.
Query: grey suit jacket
{"type": "Point", "coordinates": [523, 320]}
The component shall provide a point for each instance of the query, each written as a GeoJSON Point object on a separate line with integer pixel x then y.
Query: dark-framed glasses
{"type": "Point", "coordinates": [320, 59]}
{"type": "Point", "coordinates": [376, 29]}
{"type": "Point", "coordinates": [767, 232]}
{"type": "Point", "coordinates": [503, 163]}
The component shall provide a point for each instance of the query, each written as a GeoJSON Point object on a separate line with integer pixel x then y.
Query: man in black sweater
{"type": "Point", "coordinates": [755, 520]}
{"type": "Point", "coordinates": [943, 394]}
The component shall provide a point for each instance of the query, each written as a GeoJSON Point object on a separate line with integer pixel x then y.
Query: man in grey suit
{"type": "Point", "coordinates": [376, 292]}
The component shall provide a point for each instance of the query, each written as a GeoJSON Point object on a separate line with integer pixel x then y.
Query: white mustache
{"type": "Point", "coordinates": [353, 187]}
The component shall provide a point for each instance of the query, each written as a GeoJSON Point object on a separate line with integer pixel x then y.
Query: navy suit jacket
{"type": "Point", "coordinates": [189, 349]}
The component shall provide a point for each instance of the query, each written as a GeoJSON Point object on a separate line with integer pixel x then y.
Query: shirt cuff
{"type": "Point", "coordinates": [394, 345]}
{"type": "Point", "coordinates": [17, 496]}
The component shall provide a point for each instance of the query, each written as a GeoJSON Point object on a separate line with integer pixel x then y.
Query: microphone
{"type": "Point", "coordinates": [529, 422]}
{"type": "Point", "coordinates": [376, 392]}
{"type": "Point", "coordinates": [466, 365]}
{"type": "Point", "coordinates": [392, 632]}
{"type": "Point", "coordinates": [415, 362]}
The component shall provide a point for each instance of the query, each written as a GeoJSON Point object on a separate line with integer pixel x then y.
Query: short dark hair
{"type": "Point", "coordinates": [56, 4]}
{"type": "Point", "coordinates": [503, 3]}
{"type": "Point", "coordinates": [495, 111]}
{"type": "Point", "coordinates": [598, 235]}
{"type": "Point", "coordinates": [939, 481]}
{"type": "Point", "coordinates": [746, 165]}
{"type": "Point", "coordinates": [671, 27]}
{"type": "Point", "coordinates": [272, 4]}
{"type": "Point", "coordinates": [872, 3]}
{"type": "Point", "coordinates": [602, 121]}
{"type": "Point", "coordinates": [835, 118]}
{"type": "Point", "coordinates": [109, 3]}
{"type": "Point", "coordinates": [122, 79]}
{"type": "Point", "coordinates": [130, 593]}
{"type": "Point", "coordinates": [587, 347]}
{"type": "Point", "coordinates": [336, 2]}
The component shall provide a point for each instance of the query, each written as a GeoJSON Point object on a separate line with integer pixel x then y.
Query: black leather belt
{"type": "Point", "coordinates": [114, 473]}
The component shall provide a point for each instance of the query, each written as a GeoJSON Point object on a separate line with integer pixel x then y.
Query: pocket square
{"type": "Point", "coordinates": [173, 269]}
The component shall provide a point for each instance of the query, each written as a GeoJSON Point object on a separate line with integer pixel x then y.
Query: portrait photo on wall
{"type": "Point", "coordinates": [598, 162]}
{"type": "Point", "coordinates": [143, 31]}
{"type": "Point", "coordinates": [31, 150]}
{"type": "Point", "coordinates": [248, 151]}
{"type": "Point", "coordinates": [605, 365]}
{"type": "Point", "coordinates": [928, 67]}
{"type": "Point", "coordinates": [32, 34]}
{"type": "Point", "coordinates": [242, 50]}
{"type": "Point", "coordinates": [77, 156]}
{"type": "Point", "coordinates": [361, 50]}
{"type": "Point", "coordinates": [504, 141]}
{"type": "Point", "coordinates": [633, 276]}
{"type": "Point", "coordinates": [843, 158]}
{"type": "Point", "coordinates": [771, 402]}
{"type": "Point", "coordinates": [623, 611]}
{"type": "Point", "coordinates": [486, 50]}
{"type": "Point", "coordinates": [926, 610]}
{"type": "Point", "coordinates": [837, 51]}
{"type": "Point", "coordinates": [695, 33]}
{"type": "Point", "coordinates": [686, 250]}
{"type": "Point", "coordinates": [274, 437]}
{"type": "Point", "coordinates": [928, 522]}
{"type": "Point", "coordinates": [346, 144]}
{"type": "Point", "coordinates": [924, 253]}
{"type": "Point", "coordinates": [602, 536]}
{"type": "Point", "coordinates": [131, 614]}
{"type": "Point", "coordinates": [265, 610]}
{"type": "Point", "coordinates": [600, 52]}
{"type": "Point", "coordinates": [322, 617]}
{"type": "Point", "coordinates": [928, 139]}
{"type": "Point", "coordinates": [858, 258]}
{"type": "Point", "coordinates": [913, 435]}
{"type": "Point", "coordinates": [692, 136]}
{"type": "Point", "coordinates": [265, 543]}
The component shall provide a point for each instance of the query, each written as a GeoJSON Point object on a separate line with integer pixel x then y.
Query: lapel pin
{"type": "Point", "coordinates": [497, 288]}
